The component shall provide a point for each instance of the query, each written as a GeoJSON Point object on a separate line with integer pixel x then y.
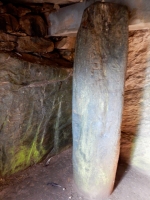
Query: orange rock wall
{"type": "Point", "coordinates": [135, 142]}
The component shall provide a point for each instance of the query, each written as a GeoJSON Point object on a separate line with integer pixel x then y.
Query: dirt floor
{"type": "Point", "coordinates": [37, 182]}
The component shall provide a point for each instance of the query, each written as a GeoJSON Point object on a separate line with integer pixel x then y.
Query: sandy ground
{"type": "Point", "coordinates": [35, 182]}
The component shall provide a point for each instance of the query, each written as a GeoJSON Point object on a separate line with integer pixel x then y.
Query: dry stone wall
{"type": "Point", "coordinates": [24, 29]}
{"type": "Point", "coordinates": [24, 25]}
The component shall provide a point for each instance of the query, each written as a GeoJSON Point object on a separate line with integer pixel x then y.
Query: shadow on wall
{"type": "Point", "coordinates": [135, 98]}
{"type": "Point", "coordinates": [135, 128]}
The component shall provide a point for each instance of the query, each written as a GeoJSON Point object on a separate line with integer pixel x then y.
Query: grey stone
{"type": "Point", "coordinates": [98, 88]}
{"type": "Point", "coordinates": [35, 112]}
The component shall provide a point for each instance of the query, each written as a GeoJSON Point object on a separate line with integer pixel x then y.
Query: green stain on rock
{"type": "Point", "coordinates": [23, 158]}
{"type": "Point", "coordinates": [35, 118]}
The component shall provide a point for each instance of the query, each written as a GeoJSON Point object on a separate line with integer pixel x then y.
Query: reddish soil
{"type": "Point", "coordinates": [34, 183]}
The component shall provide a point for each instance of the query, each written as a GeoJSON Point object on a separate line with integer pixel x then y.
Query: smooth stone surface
{"type": "Point", "coordinates": [98, 88]}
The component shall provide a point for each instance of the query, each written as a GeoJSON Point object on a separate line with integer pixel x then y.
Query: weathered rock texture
{"type": "Point", "coordinates": [35, 112]}
{"type": "Point", "coordinates": [135, 142]}
{"type": "Point", "coordinates": [67, 54]}
{"type": "Point", "coordinates": [8, 23]}
{"type": "Point", "coordinates": [34, 45]}
{"type": "Point", "coordinates": [23, 29]}
{"type": "Point", "coordinates": [98, 88]}
{"type": "Point", "coordinates": [33, 25]}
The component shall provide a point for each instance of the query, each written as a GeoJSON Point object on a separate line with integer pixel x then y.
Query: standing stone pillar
{"type": "Point", "coordinates": [98, 88]}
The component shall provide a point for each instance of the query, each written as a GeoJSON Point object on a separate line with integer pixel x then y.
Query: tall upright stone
{"type": "Point", "coordinates": [98, 89]}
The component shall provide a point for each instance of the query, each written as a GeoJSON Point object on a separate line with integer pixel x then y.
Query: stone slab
{"type": "Point", "coordinates": [98, 88]}
{"type": "Point", "coordinates": [35, 112]}
{"type": "Point", "coordinates": [67, 20]}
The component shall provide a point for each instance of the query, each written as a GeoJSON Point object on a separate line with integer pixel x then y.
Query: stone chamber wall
{"type": "Point", "coordinates": [135, 142]}
{"type": "Point", "coordinates": [35, 88]}
{"type": "Point", "coordinates": [36, 91]}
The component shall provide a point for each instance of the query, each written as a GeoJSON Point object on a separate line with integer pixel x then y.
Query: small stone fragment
{"type": "Point", "coordinates": [52, 55]}
{"type": "Point", "coordinates": [8, 23]}
{"type": "Point", "coordinates": [66, 43]}
{"type": "Point", "coordinates": [48, 162]}
{"type": "Point", "coordinates": [53, 184]}
{"type": "Point", "coordinates": [56, 7]}
{"type": "Point", "coordinates": [19, 34]}
{"type": "Point", "coordinates": [68, 55]}
{"type": "Point", "coordinates": [23, 11]}
{"type": "Point", "coordinates": [42, 61]}
{"type": "Point", "coordinates": [47, 8]}
{"type": "Point", "coordinates": [33, 25]}
{"type": "Point", "coordinates": [7, 46]}
{"type": "Point", "coordinates": [4, 37]}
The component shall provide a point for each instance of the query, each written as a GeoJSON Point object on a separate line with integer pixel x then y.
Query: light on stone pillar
{"type": "Point", "coordinates": [98, 88]}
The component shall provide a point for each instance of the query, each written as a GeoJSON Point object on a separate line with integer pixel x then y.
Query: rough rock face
{"type": "Point", "coordinates": [135, 143]}
{"type": "Point", "coordinates": [8, 23]}
{"type": "Point", "coordinates": [33, 44]}
{"type": "Point", "coordinates": [33, 25]}
{"type": "Point", "coordinates": [23, 29]}
{"type": "Point", "coordinates": [35, 112]}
